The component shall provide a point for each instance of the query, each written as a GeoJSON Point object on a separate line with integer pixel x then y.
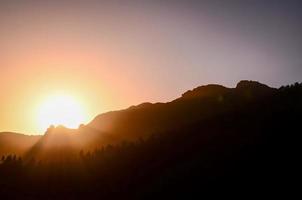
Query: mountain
{"type": "Point", "coordinates": [197, 106]}
{"type": "Point", "coordinates": [210, 140]}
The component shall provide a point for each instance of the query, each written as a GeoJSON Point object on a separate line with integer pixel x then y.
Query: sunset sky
{"type": "Point", "coordinates": [110, 55]}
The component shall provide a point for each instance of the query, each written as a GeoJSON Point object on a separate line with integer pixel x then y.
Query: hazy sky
{"type": "Point", "coordinates": [112, 54]}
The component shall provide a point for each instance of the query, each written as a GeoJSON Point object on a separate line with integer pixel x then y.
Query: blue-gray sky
{"type": "Point", "coordinates": [117, 53]}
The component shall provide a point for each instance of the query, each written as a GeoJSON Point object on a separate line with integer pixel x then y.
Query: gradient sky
{"type": "Point", "coordinates": [113, 54]}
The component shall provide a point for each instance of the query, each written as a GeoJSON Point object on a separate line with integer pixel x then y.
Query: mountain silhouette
{"type": "Point", "coordinates": [201, 103]}
{"type": "Point", "coordinates": [138, 122]}
{"type": "Point", "coordinates": [142, 121]}
{"type": "Point", "coordinates": [211, 139]}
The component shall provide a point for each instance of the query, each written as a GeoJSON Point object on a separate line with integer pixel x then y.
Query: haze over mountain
{"type": "Point", "coordinates": [16, 143]}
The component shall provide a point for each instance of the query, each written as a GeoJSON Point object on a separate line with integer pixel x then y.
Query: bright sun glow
{"type": "Point", "coordinates": [61, 110]}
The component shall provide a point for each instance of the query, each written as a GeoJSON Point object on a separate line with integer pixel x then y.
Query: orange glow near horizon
{"type": "Point", "coordinates": [61, 109]}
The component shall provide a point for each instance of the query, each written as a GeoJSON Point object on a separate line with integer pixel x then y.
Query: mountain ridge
{"type": "Point", "coordinates": [143, 120]}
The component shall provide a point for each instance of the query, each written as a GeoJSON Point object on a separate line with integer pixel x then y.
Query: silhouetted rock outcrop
{"type": "Point", "coordinates": [206, 91]}
{"type": "Point", "coordinates": [245, 84]}
{"type": "Point", "coordinates": [253, 89]}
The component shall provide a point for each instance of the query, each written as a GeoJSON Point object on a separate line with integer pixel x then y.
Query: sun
{"type": "Point", "coordinates": [60, 110]}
